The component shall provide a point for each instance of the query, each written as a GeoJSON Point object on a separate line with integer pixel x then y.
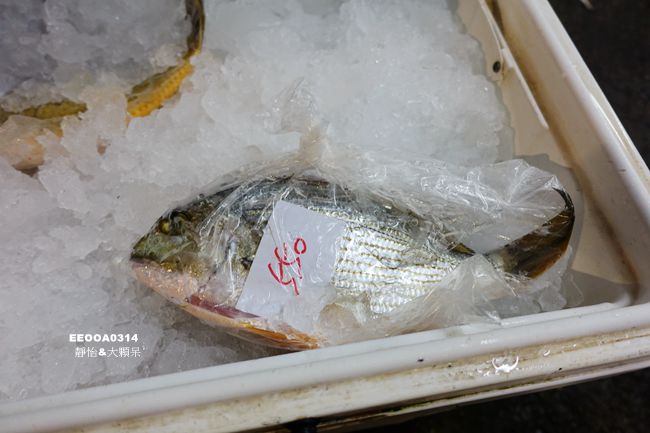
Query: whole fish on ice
{"type": "Point", "coordinates": [199, 255]}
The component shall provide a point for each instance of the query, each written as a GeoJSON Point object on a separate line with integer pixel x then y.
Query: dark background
{"type": "Point", "coordinates": [614, 40]}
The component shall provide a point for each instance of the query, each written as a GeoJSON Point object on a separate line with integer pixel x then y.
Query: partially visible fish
{"type": "Point", "coordinates": [151, 93]}
{"type": "Point", "coordinates": [142, 100]}
{"type": "Point", "coordinates": [199, 255]}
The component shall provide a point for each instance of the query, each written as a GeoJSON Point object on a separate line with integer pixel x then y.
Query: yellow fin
{"type": "Point", "coordinates": [150, 94]}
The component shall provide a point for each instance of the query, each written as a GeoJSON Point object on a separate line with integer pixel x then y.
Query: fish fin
{"type": "Point", "coordinates": [194, 10]}
{"type": "Point", "coordinates": [537, 251]}
{"type": "Point", "coordinates": [150, 94]}
{"type": "Point", "coordinates": [249, 326]}
{"type": "Point", "coordinates": [461, 248]}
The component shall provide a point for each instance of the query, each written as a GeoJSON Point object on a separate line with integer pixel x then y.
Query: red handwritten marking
{"type": "Point", "coordinates": [299, 247]}
{"type": "Point", "coordinates": [300, 241]}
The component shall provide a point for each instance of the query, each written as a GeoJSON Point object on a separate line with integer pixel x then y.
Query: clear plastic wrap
{"type": "Point", "coordinates": [341, 246]}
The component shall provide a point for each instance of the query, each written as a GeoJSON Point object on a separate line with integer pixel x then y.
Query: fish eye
{"type": "Point", "coordinates": [165, 226]}
{"type": "Point", "coordinates": [172, 223]}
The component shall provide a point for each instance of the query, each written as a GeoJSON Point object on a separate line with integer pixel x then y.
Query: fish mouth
{"type": "Point", "coordinates": [175, 286]}
{"type": "Point", "coordinates": [181, 288]}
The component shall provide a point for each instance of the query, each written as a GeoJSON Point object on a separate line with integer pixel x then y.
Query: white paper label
{"type": "Point", "coordinates": [297, 255]}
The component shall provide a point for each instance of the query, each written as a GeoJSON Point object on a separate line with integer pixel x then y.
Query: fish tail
{"type": "Point", "coordinates": [194, 10]}
{"type": "Point", "coordinates": [537, 251]}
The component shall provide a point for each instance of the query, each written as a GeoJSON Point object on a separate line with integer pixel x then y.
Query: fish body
{"type": "Point", "coordinates": [199, 255]}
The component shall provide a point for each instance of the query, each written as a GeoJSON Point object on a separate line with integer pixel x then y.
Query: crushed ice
{"type": "Point", "coordinates": [70, 43]}
{"type": "Point", "coordinates": [394, 74]}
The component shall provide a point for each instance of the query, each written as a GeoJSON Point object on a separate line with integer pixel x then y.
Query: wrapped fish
{"type": "Point", "coordinates": [241, 256]}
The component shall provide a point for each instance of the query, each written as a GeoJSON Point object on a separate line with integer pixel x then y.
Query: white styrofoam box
{"type": "Point", "coordinates": [562, 123]}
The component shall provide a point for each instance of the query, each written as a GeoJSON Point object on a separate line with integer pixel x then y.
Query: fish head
{"type": "Point", "coordinates": [170, 258]}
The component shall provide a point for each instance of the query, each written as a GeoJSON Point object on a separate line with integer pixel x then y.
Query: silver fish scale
{"type": "Point", "coordinates": [387, 268]}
